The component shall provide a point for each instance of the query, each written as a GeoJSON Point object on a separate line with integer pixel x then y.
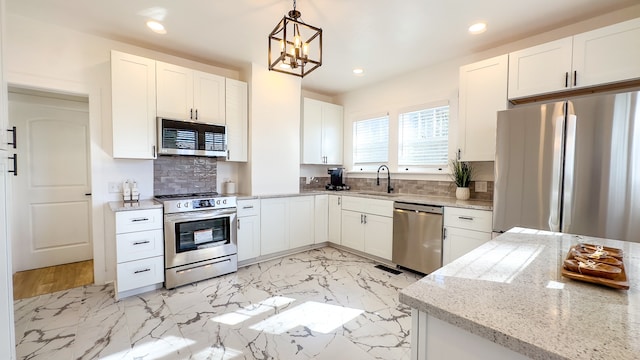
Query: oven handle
{"type": "Point", "coordinates": [199, 215]}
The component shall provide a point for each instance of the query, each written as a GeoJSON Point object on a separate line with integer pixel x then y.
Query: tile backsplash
{"type": "Point", "coordinates": [402, 186]}
{"type": "Point", "coordinates": [184, 175]}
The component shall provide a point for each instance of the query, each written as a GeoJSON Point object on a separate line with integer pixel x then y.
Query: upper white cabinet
{"type": "Point", "coordinates": [190, 94]}
{"type": "Point", "coordinates": [606, 55]}
{"type": "Point", "coordinates": [322, 130]}
{"type": "Point", "coordinates": [483, 92]}
{"type": "Point", "coordinates": [236, 120]}
{"type": "Point", "coordinates": [133, 106]}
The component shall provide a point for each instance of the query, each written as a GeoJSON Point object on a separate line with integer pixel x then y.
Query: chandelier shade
{"type": "Point", "coordinates": [295, 48]}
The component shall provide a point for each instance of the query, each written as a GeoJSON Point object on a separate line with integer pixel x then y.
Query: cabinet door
{"type": "Point", "coordinates": [274, 227]}
{"type": "Point", "coordinates": [248, 237]}
{"type": "Point", "coordinates": [208, 97]}
{"type": "Point", "coordinates": [335, 219]}
{"type": "Point", "coordinates": [608, 54]}
{"type": "Point", "coordinates": [133, 106]}
{"type": "Point", "coordinates": [483, 92]}
{"type": "Point", "coordinates": [321, 219]}
{"type": "Point", "coordinates": [332, 130]}
{"type": "Point", "coordinates": [458, 242]}
{"type": "Point", "coordinates": [312, 132]}
{"type": "Point", "coordinates": [378, 236]}
{"type": "Point", "coordinates": [236, 120]}
{"type": "Point", "coordinates": [175, 91]}
{"type": "Point", "coordinates": [540, 69]}
{"type": "Point", "coordinates": [352, 230]}
{"type": "Point", "coordinates": [7, 344]}
{"type": "Point", "coordinates": [301, 221]}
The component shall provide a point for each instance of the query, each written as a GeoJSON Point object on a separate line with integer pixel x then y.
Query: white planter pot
{"type": "Point", "coordinates": [462, 193]}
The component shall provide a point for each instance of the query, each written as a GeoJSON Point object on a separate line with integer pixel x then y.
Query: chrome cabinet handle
{"type": "Point", "coordinates": [465, 218]}
{"type": "Point", "coordinates": [191, 114]}
{"type": "Point", "coordinates": [575, 77]}
{"type": "Point", "coordinates": [196, 114]}
{"type": "Point", "coordinates": [141, 242]}
{"type": "Point", "coordinates": [153, 151]}
{"type": "Point", "coordinates": [139, 219]}
{"type": "Point", "coordinates": [238, 224]}
{"type": "Point", "coordinates": [141, 271]}
{"type": "Point", "coordinates": [566, 79]}
{"type": "Point", "coordinates": [248, 207]}
{"type": "Point", "coordinates": [339, 200]}
{"type": "Point", "coordinates": [444, 234]}
{"type": "Point", "coordinates": [14, 142]}
{"type": "Point", "coordinates": [365, 219]}
{"type": "Point", "coordinates": [15, 164]}
{"type": "Point", "coordinates": [361, 219]}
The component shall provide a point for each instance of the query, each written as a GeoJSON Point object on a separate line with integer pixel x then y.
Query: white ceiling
{"type": "Point", "coordinates": [385, 37]}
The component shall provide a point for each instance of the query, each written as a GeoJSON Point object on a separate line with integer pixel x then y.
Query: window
{"type": "Point", "coordinates": [371, 140]}
{"type": "Point", "coordinates": [423, 137]}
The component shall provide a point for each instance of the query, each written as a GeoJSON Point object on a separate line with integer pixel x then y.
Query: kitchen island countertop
{"type": "Point", "coordinates": [511, 292]}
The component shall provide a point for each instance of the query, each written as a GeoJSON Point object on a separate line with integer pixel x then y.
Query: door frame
{"type": "Point", "coordinates": [97, 201]}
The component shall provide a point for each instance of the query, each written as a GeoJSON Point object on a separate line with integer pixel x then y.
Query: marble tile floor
{"type": "Point", "coordinates": [322, 304]}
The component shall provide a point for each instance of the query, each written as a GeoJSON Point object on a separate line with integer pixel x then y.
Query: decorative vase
{"type": "Point", "coordinates": [462, 193]}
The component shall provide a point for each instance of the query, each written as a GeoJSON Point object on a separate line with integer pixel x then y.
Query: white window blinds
{"type": "Point", "coordinates": [424, 137]}
{"type": "Point", "coordinates": [371, 140]}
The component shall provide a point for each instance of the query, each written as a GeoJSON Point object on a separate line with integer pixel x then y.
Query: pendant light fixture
{"type": "Point", "coordinates": [294, 47]}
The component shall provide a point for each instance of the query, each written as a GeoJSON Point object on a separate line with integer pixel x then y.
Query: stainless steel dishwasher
{"type": "Point", "coordinates": [417, 237]}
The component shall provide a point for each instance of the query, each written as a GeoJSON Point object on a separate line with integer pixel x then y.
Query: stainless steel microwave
{"type": "Point", "coordinates": [179, 137]}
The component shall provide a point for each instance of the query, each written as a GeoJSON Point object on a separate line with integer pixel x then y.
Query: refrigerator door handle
{"type": "Point", "coordinates": [569, 171]}
{"type": "Point", "coordinates": [556, 175]}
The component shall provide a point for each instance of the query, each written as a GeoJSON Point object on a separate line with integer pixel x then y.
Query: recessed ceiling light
{"type": "Point", "coordinates": [358, 71]}
{"type": "Point", "coordinates": [478, 28]}
{"type": "Point", "coordinates": [156, 27]}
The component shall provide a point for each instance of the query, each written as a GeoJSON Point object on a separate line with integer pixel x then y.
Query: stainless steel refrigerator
{"type": "Point", "coordinates": [571, 166]}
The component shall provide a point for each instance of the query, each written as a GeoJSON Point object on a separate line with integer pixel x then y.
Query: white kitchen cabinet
{"type": "Point", "coordinates": [186, 94]}
{"type": "Point", "coordinates": [335, 219]}
{"type": "Point", "coordinates": [321, 225]}
{"type": "Point", "coordinates": [322, 129]}
{"type": "Point", "coordinates": [236, 120]}
{"type": "Point", "coordinates": [139, 251]}
{"type": "Point", "coordinates": [133, 106]}
{"type": "Point", "coordinates": [540, 69]}
{"type": "Point", "coordinates": [464, 230]}
{"type": "Point", "coordinates": [483, 92]}
{"type": "Point", "coordinates": [367, 225]}
{"type": "Point", "coordinates": [598, 57]}
{"type": "Point", "coordinates": [286, 223]}
{"type": "Point", "coordinates": [248, 229]}
{"type": "Point", "coordinates": [606, 55]}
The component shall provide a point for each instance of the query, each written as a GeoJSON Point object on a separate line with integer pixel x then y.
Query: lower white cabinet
{"type": "Point", "coordinates": [139, 251]}
{"type": "Point", "coordinates": [248, 229]}
{"type": "Point", "coordinates": [286, 223]}
{"type": "Point", "coordinates": [367, 225]}
{"type": "Point", "coordinates": [335, 219]}
{"type": "Point", "coordinates": [464, 230]}
{"type": "Point", "coordinates": [321, 219]}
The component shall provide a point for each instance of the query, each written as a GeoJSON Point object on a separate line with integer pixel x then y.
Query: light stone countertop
{"type": "Point", "coordinates": [416, 199]}
{"type": "Point", "coordinates": [141, 205]}
{"type": "Point", "coordinates": [510, 291]}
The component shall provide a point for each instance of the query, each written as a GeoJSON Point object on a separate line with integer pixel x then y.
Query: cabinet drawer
{"type": "Point", "coordinates": [140, 273]}
{"type": "Point", "coordinates": [248, 207]}
{"type": "Point", "coordinates": [368, 206]}
{"type": "Point", "coordinates": [138, 220]}
{"type": "Point", "coordinates": [139, 245]}
{"type": "Point", "coordinates": [471, 219]}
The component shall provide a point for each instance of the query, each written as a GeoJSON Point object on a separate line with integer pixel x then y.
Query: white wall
{"type": "Point", "coordinates": [53, 58]}
{"type": "Point", "coordinates": [274, 103]}
{"type": "Point", "coordinates": [440, 82]}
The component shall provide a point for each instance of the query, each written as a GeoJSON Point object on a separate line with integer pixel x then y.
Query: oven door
{"type": "Point", "coordinates": [199, 235]}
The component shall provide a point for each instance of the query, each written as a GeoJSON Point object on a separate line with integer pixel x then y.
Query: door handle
{"type": "Point", "coordinates": [87, 194]}
{"type": "Point", "coordinates": [153, 151]}
{"type": "Point", "coordinates": [14, 142]}
{"type": "Point", "coordinates": [339, 200]}
{"type": "Point", "coordinates": [575, 77]}
{"type": "Point", "coordinates": [141, 271]}
{"type": "Point", "coordinates": [139, 219]}
{"type": "Point", "coordinates": [238, 224]}
{"type": "Point", "coordinates": [15, 164]}
{"type": "Point", "coordinates": [191, 114]}
{"type": "Point", "coordinates": [361, 219]}
{"type": "Point", "coordinates": [141, 242]}
{"type": "Point", "coordinates": [365, 219]}
{"type": "Point", "coordinates": [196, 114]}
{"type": "Point", "coordinates": [465, 218]}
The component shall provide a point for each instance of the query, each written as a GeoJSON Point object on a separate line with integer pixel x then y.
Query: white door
{"type": "Point", "coordinates": [378, 235]}
{"type": "Point", "coordinates": [51, 194]}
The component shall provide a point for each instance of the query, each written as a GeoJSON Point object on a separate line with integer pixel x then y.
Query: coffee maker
{"type": "Point", "coordinates": [337, 183]}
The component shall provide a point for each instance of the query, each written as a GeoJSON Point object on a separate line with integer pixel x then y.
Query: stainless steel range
{"type": "Point", "coordinates": [199, 237]}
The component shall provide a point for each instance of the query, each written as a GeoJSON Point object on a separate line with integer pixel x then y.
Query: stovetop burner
{"type": "Point", "coordinates": [188, 196]}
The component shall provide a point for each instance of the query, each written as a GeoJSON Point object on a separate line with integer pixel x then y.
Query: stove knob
{"type": "Point", "coordinates": [224, 201]}
{"type": "Point", "coordinates": [217, 202]}
{"type": "Point", "coordinates": [186, 204]}
{"type": "Point", "coordinates": [178, 205]}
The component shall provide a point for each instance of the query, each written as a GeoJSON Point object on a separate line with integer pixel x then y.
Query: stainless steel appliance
{"type": "Point", "coordinates": [571, 166]}
{"type": "Point", "coordinates": [200, 237]}
{"type": "Point", "coordinates": [337, 181]}
{"type": "Point", "coordinates": [179, 137]}
{"type": "Point", "coordinates": [417, 237]}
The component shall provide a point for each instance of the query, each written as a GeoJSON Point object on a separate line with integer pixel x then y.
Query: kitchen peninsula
{"type": "Point", "coordinates": [507, 299]}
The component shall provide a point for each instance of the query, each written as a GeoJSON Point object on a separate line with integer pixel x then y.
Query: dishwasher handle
{"type": "Point", "coordinates": [418, 207]}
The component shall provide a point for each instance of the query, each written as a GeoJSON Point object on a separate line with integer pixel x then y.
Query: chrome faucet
{"type": "Point", "coordinates": [389, 188]}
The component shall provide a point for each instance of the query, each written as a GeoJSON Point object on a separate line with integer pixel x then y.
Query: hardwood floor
{"type": "Point", "coordinates": [51, 279]}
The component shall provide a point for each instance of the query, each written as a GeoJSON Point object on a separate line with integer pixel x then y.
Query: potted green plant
{"type": "Point", "coordinates": [461, 172]}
